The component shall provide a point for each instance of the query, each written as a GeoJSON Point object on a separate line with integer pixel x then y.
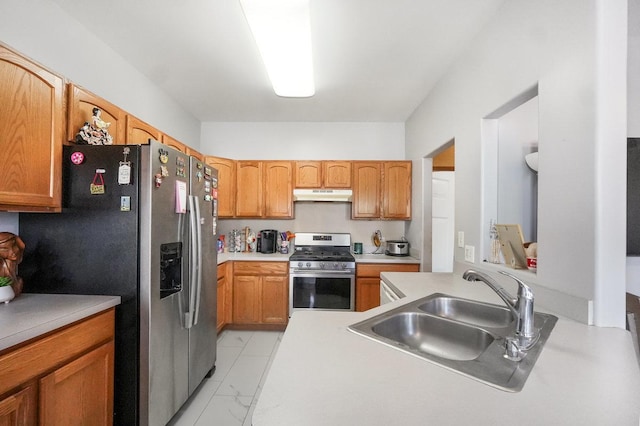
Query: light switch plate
{"type": "Point", "coordinates": [460, 239]}
{"type": "Point", "coordinates": [470, 254]}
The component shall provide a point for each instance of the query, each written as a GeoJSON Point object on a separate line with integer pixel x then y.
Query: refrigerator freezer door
{"type": "Point", "coordinates": [92, 248]}
{"type": "Point", "coordinates": [202, 334]}
{"type": "Point", "coordinates": [164, 357]}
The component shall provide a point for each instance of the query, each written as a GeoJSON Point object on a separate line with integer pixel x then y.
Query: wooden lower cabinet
{"type": "Point", "coordinates": [224, 296]}
{"type": "Point", "coordinates": [260, 293]}
{"type": "Point", "coordinates": [20, 408]}
{"type": "Point", "coordinates": [368, 282]}
{"type": "Point", "coordinates": [77, 390]}
{"type": "Point", "coordinates": [62, 378]}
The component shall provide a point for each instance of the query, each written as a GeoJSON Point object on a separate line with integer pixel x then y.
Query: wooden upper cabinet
{"type": "Point", "coordinates": [308, 174]}
{"type": "Point", "coordinates": [80, 111]}
{"type": "Point", "coordinates": [249, 195]}
{"type": "Point", "coordinates": [192, 152]}
{"type": "Point", "coordinates": [174, 143]}
{"type": "Point", "coordinates": [323, 174]}
{"type": "Point", "coordinates": [396, 190]}
{"type": "Point", "coordinates": [366, 190]}
{"type": "Point", "coordinates": [336, 174]}
{"type": "Point", "coordinates": [139, 132]}
{"type": "Point", "coordinates": [381, 190]}
{"type": "Point", "coordinates": [278, 189]}
{"type": "Point", "coordinates": [226, 184]}
{"type": "Point", "coordinates": [31, 134]}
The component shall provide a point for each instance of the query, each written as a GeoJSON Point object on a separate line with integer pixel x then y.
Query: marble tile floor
{"type": "Point", "coordinates": [229, 397]}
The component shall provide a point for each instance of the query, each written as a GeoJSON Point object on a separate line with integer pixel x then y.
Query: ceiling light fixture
{"type": "Point", "coordinates": [282, 31]}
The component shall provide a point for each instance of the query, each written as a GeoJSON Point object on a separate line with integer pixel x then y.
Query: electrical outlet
{"type": "Point", "coordinates": [460, 239]}
{"type": "Point", "coordinates": [470, 254]}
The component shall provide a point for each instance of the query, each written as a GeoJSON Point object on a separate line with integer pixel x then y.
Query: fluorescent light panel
{"type": "Point", "coordinates": [282, 32]}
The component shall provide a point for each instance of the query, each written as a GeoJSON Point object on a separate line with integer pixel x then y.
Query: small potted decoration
{"type": "Point", "coordinates": [11, 250]}
{"type": "Point", "coordinates": [6, 291]}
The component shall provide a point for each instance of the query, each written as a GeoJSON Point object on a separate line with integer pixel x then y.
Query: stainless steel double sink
{"type": "Point", "coordinates": [462, 335]}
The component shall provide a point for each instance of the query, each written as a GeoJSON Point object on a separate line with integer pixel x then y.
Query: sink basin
{"type": "Point", "coordinates": [435, 336]}
{"type": "Point", "coordinates": [461, 335]}
{"type": "Point", "coordinates": [467, 311]}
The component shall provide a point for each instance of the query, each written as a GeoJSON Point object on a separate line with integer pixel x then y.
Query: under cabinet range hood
{"type": "Point", "coordinates": [343, 195]}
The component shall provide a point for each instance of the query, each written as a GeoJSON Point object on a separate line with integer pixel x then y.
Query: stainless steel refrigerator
{"type": "Point", "coordinates": [138, 221]}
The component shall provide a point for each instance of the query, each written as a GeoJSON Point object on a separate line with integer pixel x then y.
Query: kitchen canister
{"type": "Point", "coordinates": [357, 248]}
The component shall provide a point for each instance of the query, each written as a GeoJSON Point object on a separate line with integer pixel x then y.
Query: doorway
{"type": "Point", "coordinates": [439, 175]}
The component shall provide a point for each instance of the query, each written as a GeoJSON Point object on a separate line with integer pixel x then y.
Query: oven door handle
{"type": "Point", "coordinates": [319, 273]}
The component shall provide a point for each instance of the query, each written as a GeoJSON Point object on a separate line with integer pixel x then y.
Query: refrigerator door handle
{"type": "Point", "coordinates": [198, 258]}
{"type": "Point", "coordinates": [193, 266]}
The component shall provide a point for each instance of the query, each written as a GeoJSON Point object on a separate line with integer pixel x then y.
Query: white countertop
{"type": "Point", "coordinates": [31, 315]}
{"type": "Point", "coordinates": [324, 374]}
{"type": "Point", "coordinates": [278, 257]}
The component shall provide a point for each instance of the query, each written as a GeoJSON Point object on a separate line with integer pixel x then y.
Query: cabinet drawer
{"type": "Point", "coordinates": [374, 269]}
{"type": "Point", "coordinates": [260, 268]}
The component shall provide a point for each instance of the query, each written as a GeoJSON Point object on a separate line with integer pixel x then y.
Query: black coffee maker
{"type": "Point", "coordinates": [268, 242]}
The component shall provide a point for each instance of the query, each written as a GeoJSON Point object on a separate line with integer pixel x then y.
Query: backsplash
{"type": "Point", "coordinates": [323, 217]}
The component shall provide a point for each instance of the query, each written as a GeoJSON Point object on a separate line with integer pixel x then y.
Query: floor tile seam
{"type": "Point", "coordinates": [230, 368]}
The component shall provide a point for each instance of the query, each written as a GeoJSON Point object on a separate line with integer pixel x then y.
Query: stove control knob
{"type": "Point", "coordinates": [299, 264]}
{"type": "Point", "coordinates": [308, 264]}
{"type": "Point", "coordinates": [335, 265]}
{"type": "Point", "coordinates": [344, 266]}
{"type": "Point", "coordinates": [322, 265]}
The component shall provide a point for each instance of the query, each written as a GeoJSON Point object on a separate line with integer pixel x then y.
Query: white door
{"type": "Point", "coordinates": [442, 216]}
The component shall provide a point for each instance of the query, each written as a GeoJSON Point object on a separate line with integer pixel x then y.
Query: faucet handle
{"type": "Point", "coordinates": [524, 291]}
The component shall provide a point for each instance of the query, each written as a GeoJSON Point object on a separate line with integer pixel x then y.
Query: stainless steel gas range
{"type": "Point", "coordinates": [322, 273]}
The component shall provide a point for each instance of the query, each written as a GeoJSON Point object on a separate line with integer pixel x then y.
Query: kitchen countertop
{"type": "Point", "coordinates": [324, 374]}
{"type": "Point", "coordinates": [32, 315]}
{"type": "Point", "coordinates": [278, 257]}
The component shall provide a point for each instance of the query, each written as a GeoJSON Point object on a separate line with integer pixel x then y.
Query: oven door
{"type": "Point", "coordinates": [332, 291]}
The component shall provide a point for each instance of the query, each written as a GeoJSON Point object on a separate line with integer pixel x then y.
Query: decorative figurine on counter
{"type": "Point", "coordinates": [96, 132]}
{"type": "Point", "coordinates": [11, 250]}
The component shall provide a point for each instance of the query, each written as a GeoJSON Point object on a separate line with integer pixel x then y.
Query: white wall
{"type": "Point", "coordinates": [303, 141]}
{"type": "Point", "coordinates": [564, 47]}
{"type": "Point", "coordinates": [42, 31]}
{"type": "Point", "coordinates": [310, 141]}
{"type": "Point", "coordinates": [633, 116]}
{"type": "Point", "coordinates": [633, 76]}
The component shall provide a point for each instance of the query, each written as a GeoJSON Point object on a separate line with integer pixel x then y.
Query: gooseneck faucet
{"type": "Point", "coordinates": [526, 334]}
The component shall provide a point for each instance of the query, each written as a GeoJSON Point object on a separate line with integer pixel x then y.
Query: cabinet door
{"type": "Point", "coordinates": [246, 299]}
{"type": "Point", "coordinates": [336, 174]}
{"type": "Point", "coordinates": [75, 393]}
{"type": "Point", "coordinates": [226, 184]}
{"type": "Point", "coordinates": [308, 174]}
{"type": "Point", "coordinates": [275, 299]}
{"type": "Point", "coordinates": [174, 143]}
{"type": "Point", "coordinates": [20, 408]}
{"type": "Point", "coordinates": [81, 105]}
{"type": "Point", "coordinates": [249, 193]}
{"type": "Point", "coordinates": [31, 134]}
{"type": "Point", "coordinates": [367, 293]}
{"type": "Point", "coordinates": [139, 132]}
{"type": "Point", "coordinates": [192, 152]}
{"type": "Point", "coordinates": [278, 189]}
{"type": "Point", "coordinates": [221, 303]}
{"type": "Point", "coordinates": [366, 190]}
{"type": "Point", "coordinates": [396, 199]}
